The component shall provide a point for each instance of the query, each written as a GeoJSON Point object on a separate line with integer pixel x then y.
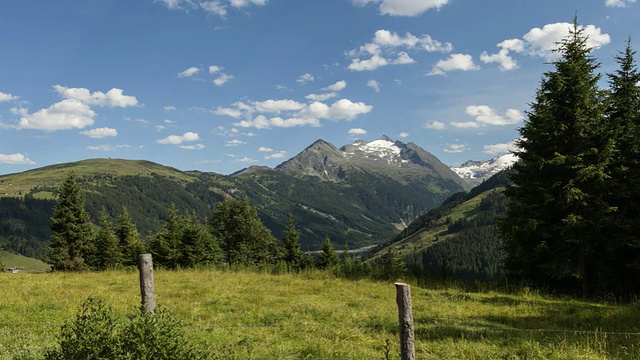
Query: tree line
{"type": "Point", "coordinates": [233, 236]}
{"type": "Point", "coordinates": [573, 219]}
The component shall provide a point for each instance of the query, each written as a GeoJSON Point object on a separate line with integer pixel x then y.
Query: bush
{"type": "Point", "coordinates": [96, 333]}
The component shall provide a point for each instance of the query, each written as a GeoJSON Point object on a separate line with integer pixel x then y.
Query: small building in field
{"type": "Point", "coordinates": [14, 270]}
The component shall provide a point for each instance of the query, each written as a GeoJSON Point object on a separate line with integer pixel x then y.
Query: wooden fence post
{"type": "Point", "coordinates": [405, 319]}
{"type": "Point", "coordinates": [145, 266]}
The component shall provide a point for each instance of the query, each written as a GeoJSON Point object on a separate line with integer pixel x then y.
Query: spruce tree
{"type": "Point", "coordinates": [328, 257]}
{"type": "Point", "coordinates": [624, 121]}
{"type": "Point", "coordinates": [131, 245]}
{"type": "Point", "coordinates": [557, 200]}
{"type": "Point", "coordinates": [199, 247]}
{"type": "Point", "coordinates": [291, 243]}
{"type": "Point", "coordinates": [107, 250]}
{"type": "Point", "coordinates": [166, 245]}
{"type": "Point", "coordinates": [70, 242]}
{"type": "Point", "coordinates": [243, 237]}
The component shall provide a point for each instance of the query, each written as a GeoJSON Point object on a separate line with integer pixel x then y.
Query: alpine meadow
{"type": "Point", "coordinates": [380, 248]}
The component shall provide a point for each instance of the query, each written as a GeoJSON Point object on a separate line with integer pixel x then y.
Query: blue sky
{"type": "Point", "coordinates": [221, 85]}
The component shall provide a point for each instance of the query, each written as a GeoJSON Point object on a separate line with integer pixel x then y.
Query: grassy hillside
{"type": "Point", "coordinates": [459, 239]}
{"type": "Point", "coordinates": [25, 264]}
{"type": "Point", "coordinates": [239, 315]}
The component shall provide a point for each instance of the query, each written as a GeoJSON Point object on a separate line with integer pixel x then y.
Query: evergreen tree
{"type": "Point", "coordinates": [391, 265]}
{"type": "Point", "coordinates": [198, 245]}
{"type": "Point", "coordinates": [291, 243]}
{"type": "Point", "coordinates": [69, 223]}
{"type": "Point", "coordinates": [243, 237]}
{"type": "Point", "coordinates": [624, 121]}
{"type": "Point", "coordinates": [131, 245]}
{"type": "Point", "coordinates": [557, 200]}
{"type": "Point", "coordinates": [107, 250]}
{"type": "Point", "coordinates": [328, 257]}
{"type": "Point", "coordinates": [166, 245]}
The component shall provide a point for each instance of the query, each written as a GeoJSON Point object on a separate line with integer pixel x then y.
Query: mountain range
{"type": "Point", "coordinates": [475, 172]}
{"type": "Point", "coordinates": [362, 193]}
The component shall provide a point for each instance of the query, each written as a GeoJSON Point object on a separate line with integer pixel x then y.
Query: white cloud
{"type": "Point", "coordinates": [15, 159]}
{"type": "Point", "coordinates": [179, 139]}
{"type": "Point", "coordinates": [246, 160]}
{"type": "Point", "coordinates": [496, 149]}
{"type": "Point", "coordinates": [276, 106]}
{"type": "Point", "coordinates": [100, 133]}
{"type": "Point", "coordinates": [305, 78]}
{"type": "Point", "coordinates": [215, 69]}
{"type": "Point", "coordinates": [192, 147]}
{"type": "Point", "coordinates": [245, 3]}
{"type": "Point", "coordinates": [262, 122]}
{"type": "Point", "coordinates": [214, 7]}
{"type": "Point", "coordinates": [222, 79]}
{"type": "Point", "coordinates": [7, 97]}
{"type": "Point", "coordinates": [455, 148]}
{"type": "Point", "coordinates": [403, 7]}
{"type": "Point", "coordinates": [455, 62]}
{"type": "Point", "coordinates": [276, 155]}
{"type": "Point", "coordinates": [189, 72]}
{"type": "Point", "coordinates": [486, 115]}
{"type": "Point", "coordinates": [340, 85]}
{"type": "Point", "coordinates": [465, 125]}
{"type": "Point", "coordinates": [435, 125]}
{"type": "Point", "coordinates": [235, 142]}
{"type": "Point", "coordinates": [505, 61]}
{"type": "Point", "coordinates": [357, 131]}
{"type": "Point", "coordinates": [234, 113]}
{"type": "Point", "coordinates": [404, 134]}
{"type": "Point", "coordinates": [385, 44]}
{"type": "Point", "coordinates": [321, 97]}
{"type": "Point", "coordinates": [374, 85]}
{"type": "Point", "coordinates": [113, 97]}
{"type": "Point", "coordinates": [171, 4]}
{"type": "Point", "coordinates": [100, 147]}
{"type": "Point", "coordinates": [346, 109]}
{"type": "Point", "coordinates": [265, 149]}
{"type": "Point", "coordinates": [63, 115]}
{"type": "Point", "coordinates": [619, 3]}
{"type": "Point", "coordinates": [169, 108]}
{"type": "Point", "coordinates": [541, 42]}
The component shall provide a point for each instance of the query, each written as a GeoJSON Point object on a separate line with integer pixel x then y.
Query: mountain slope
{"type": "Point", "coordinates": [352, 194]}
{"type": "Point", "coordinates": [477, 171]}
{"type": "Point", "coordinates": [458, 239]}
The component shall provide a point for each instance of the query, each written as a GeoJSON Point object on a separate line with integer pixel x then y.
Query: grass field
{"type": "Point", "coordinates": [24, 263]}
{"type": "Point", "coordinates": [240, 315]}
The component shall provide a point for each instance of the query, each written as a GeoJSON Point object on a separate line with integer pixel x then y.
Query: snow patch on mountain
{"type": "Point", "coordinates": [476, 171]}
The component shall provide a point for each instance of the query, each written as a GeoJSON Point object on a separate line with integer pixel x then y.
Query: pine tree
{"type": "Point", "coordinates": [131, 245]}
{"type": "Point", "coordinates": [291, 243]}
{"type": "Point", "coordinates": [69, 223]}
{"type": "Point", "coordinates": [3, 267]}
{"type": "Point", "coordinates": [243, 237]}
{"type": "Point", "coordinates": [107, 250]}
{"type": "Point", "coordinates": [328, 257]}
{"type": "Point", "coordinates": [557, 200]}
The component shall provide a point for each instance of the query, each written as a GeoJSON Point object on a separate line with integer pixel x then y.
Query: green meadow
{"type": "Point", "coordinates": [243, 314]}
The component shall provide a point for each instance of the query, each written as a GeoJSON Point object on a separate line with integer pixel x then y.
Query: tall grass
{"type": "Point", "coordinates": [242, 314]}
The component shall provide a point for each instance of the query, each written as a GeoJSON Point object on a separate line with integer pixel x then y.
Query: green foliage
{"type": "Point", "coordinates": [243, 237]}
{"type": "Point", "coordinates": [557, 228]}
{"type": "Point", "coordinates": [129, 241]}
{"type": "Point", "coordinates": [165, 246]}
{"type": "Point", "coordinates": [198, 246]}
{"type": "Point", "coordinates": [293, 256]}
{"type": "Point", "coordinates": [327, 258]}
{"type": "Point", "coordinates": [96, 333]}
{"type": "Point", "coordinates": [3, 267]}
{"type": "Point", "coordinates": [107, 252]}
{"type": "Point", "coordinates": [70, 242]}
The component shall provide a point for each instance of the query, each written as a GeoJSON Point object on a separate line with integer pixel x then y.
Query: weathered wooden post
{"type": "Point", "coordinates": [405, 319]}
{"type": "Point", "coordinates": [145, 266]}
